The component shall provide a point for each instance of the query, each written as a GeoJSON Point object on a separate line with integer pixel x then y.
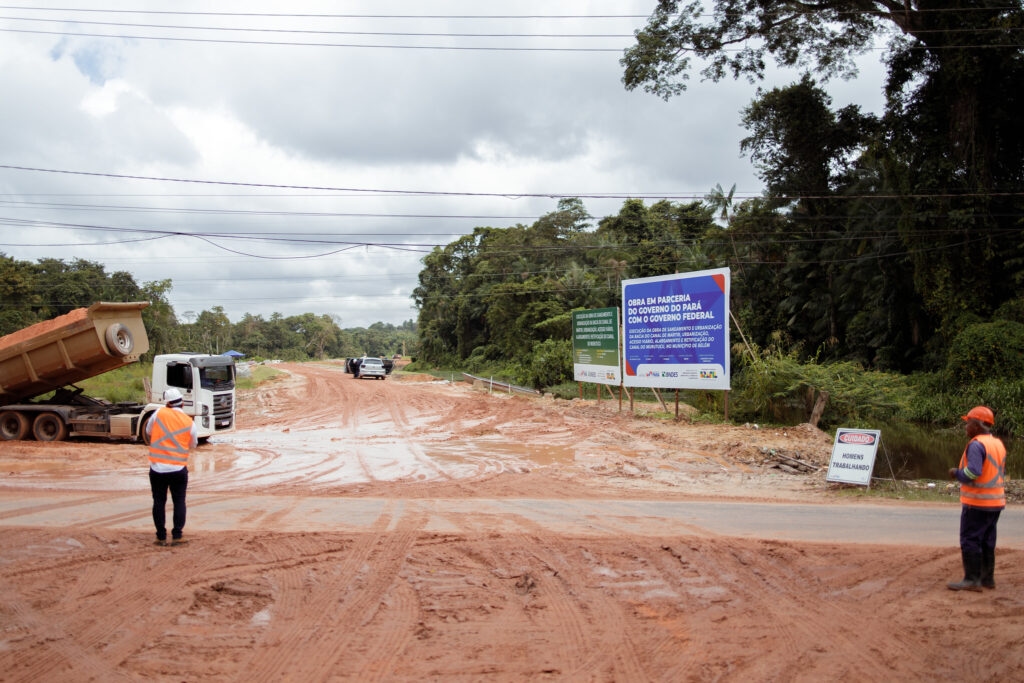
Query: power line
{"type": "Point", "coordinates": [410, 34]}
{"type": "Point", "coordinates": [448, 17]}
{"type": "Point", "coordinates": [399, 34]}
{"type": "Point", "coordinates": [293, 15]}
{"type": "Point", "coordinates": [228, 41]}
{"type": "Point", "coordinates": [503, 195]}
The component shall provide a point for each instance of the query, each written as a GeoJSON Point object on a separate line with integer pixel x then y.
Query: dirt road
{"type": "Point", "coordinates": [410, 530]}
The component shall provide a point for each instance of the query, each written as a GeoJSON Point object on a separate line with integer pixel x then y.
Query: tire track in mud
{"type": "Point", "coordinates": [581, 614]}
{"type": "Point", "coordinates": [88, 584]}
{"type": "Point", "coordinates": [599, 617]}
{"type": "Point", "coordinates": [732, 570]}
{"type": "Point", "coordinates": [377, 404]}
{"type": "Point", "coordinates": [803, 610]}
{"type": "Point", "coordinates": [475, 592]}
{"type": "Point", "coordinates": [330, 634]}
{"type": "Point", "coordinates": [52, 649]}
{"type": "Point", "coordinates": [383, 640]}
{"type": "Point", "coordinates": [777, 581]}
{"type": "Point", "coordinates": [48, 507]}
{"type": "Point", "coordinates": [406, 435]}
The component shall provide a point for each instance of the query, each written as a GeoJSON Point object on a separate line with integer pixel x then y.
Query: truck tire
{"type": "Point", "coordinates": [49, 427]}
{"type": "Point", "coordinates": [119, 340]}
{"type": "Point", "coordinates": [13, 426]}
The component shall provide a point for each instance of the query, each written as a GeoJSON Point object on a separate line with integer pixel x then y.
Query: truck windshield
{"type": "Point", "coordinates": [220, 378]}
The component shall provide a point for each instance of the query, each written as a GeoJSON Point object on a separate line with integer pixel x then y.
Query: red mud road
{"type": "Point", "coordinates": [407, 530]}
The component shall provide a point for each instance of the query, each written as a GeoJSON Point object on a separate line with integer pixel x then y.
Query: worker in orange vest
{"type": "Point", "coordinates": [982, 497]}
{"type": "Point", "coordinates": [172, 436]}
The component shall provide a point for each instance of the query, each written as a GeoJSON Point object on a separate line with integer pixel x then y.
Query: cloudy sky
{"type": "Point", "coordinates": [303, 156]}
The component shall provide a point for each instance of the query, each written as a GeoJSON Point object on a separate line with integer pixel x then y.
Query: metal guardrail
{"type": "Point", "coordinates": [501, 386]}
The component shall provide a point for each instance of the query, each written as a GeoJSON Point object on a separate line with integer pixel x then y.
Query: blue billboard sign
{"type": "Point", "coordinates": [676, 330]}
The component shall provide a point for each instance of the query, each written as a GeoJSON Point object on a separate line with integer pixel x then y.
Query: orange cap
{"type": "Point", "coordinates": [980, 413]}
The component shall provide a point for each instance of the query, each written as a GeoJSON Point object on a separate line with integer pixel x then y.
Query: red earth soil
{"type": "Point", "coordinates": [490, 543]}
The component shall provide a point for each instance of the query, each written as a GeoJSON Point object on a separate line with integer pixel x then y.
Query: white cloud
{"type": "Point", "coordinates": [443, 121]}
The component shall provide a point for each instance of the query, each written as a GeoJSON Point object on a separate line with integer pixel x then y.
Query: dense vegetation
{"type": "Point", "coordinates": [884, 261]}
{"type": "Point", "coordinates": [33, 292]}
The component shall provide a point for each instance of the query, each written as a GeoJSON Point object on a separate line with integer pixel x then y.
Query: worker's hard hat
{"type": "Point", "coordinates": [172, 397]}
{"type": "Point", "coordinates": [981, 414]}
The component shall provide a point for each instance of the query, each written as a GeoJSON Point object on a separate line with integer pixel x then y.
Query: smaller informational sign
{"type": "Point", "coordinates": [853, 456]}
{"type": "Point", "coordinates": [595, 346]}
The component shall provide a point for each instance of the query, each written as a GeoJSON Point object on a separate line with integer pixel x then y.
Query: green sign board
{"type": "Point", "coordinates": [595, 346]}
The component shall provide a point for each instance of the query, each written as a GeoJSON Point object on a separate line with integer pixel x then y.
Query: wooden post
{"type": "Point", "coordinates": [819, 407]}
{"type": "Point", "coordinates": [677, 405]}
{"type": "Point", "coordinates": [661, 402]}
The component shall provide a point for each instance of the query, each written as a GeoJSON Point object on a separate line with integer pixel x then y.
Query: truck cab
{"type": "Point", "coordinates": [207, 384]}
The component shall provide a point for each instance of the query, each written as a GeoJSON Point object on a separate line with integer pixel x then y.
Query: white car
{"type": "Point", "coordinates": [371, 367]}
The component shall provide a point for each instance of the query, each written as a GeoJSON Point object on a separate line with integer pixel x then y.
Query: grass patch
{"type": "Point", "coordinates": [258, 374]}
{"type": "Point", "coordinates": [944, 491]}
{"type": "Point", "coordinates": [917, 490]}
{"type": "Point", "coordinates": [123, 385]}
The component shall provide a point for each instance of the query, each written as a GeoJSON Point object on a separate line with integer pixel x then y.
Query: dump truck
{"type": "Point", "coordinates": [40, 364]}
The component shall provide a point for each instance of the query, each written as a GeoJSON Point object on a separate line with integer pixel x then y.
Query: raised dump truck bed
{"type": "Point", "coordinates": [78, 345]}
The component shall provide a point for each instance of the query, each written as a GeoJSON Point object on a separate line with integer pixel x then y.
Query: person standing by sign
{"type": "Point", "coordinates": [982, 497]}
{"type": "Point", "coordinates": [172, 436]}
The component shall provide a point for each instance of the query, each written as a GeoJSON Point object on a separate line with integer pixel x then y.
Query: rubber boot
{"type": "Point", "coordinates": [972, 573]}
{"type": "Point", "coordinates": [988, 567]}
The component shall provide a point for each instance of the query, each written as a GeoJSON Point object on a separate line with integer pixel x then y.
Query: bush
{"type": "Point", "coordinates": [1012, 310]}
{"type": "Point", "coordinates": [549, 363]}
{"type": "Point", "coordinates": [773, 386]}
{"type": "Point", "coordinates": [985, 351]}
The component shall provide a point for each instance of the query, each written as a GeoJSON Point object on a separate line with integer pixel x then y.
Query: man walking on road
{"type": "Point", "coordinates": [982, 497]}
{"type": "Point", "coordinates": [172, 436]}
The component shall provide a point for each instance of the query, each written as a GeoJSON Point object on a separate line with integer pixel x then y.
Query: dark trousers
{"type": "Point", "coordinates": [978, 530]}
{"type": "Point", "coordinates": [161, 482]}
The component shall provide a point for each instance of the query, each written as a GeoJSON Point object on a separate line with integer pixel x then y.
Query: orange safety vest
{"type": "Point", "coordinates": [987, 491]}
{"type": "Point", "coordinates": [171, 437]}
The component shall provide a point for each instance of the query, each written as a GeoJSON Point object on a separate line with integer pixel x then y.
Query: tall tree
{"type": "Point", "coordinates": [161, 323]}
{"type": "Point", "coordinates": [951, 143]}
{"type": "Point", "coordinates": [19, 294]}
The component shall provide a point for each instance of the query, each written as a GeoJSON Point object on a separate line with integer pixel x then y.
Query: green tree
{"type": "Point", "coordinates": [19, 294]}
{"type": "Point", "coordinates": [214, 330]}
{"type": "Point", "coordinates": [161, 323]}
{"type": "Point", "coordinates": [950, 143]}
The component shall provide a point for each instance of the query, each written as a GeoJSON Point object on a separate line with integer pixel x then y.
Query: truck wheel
{"type": "Point", "coordinates": [49, 427]}
{"type": "Point", "coordinates": [13, 426]}
{"type": "Point", "coordinates": [119, 340]}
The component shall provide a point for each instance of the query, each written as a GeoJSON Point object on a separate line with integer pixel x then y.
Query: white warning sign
{"type": "Point", "coordinates": [853, 456]}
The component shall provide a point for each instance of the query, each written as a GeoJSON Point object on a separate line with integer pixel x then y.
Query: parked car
{"type": "Point", "coordinates": [370, 367]}
{"type": "Point", "coordinates": [352, 365]}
